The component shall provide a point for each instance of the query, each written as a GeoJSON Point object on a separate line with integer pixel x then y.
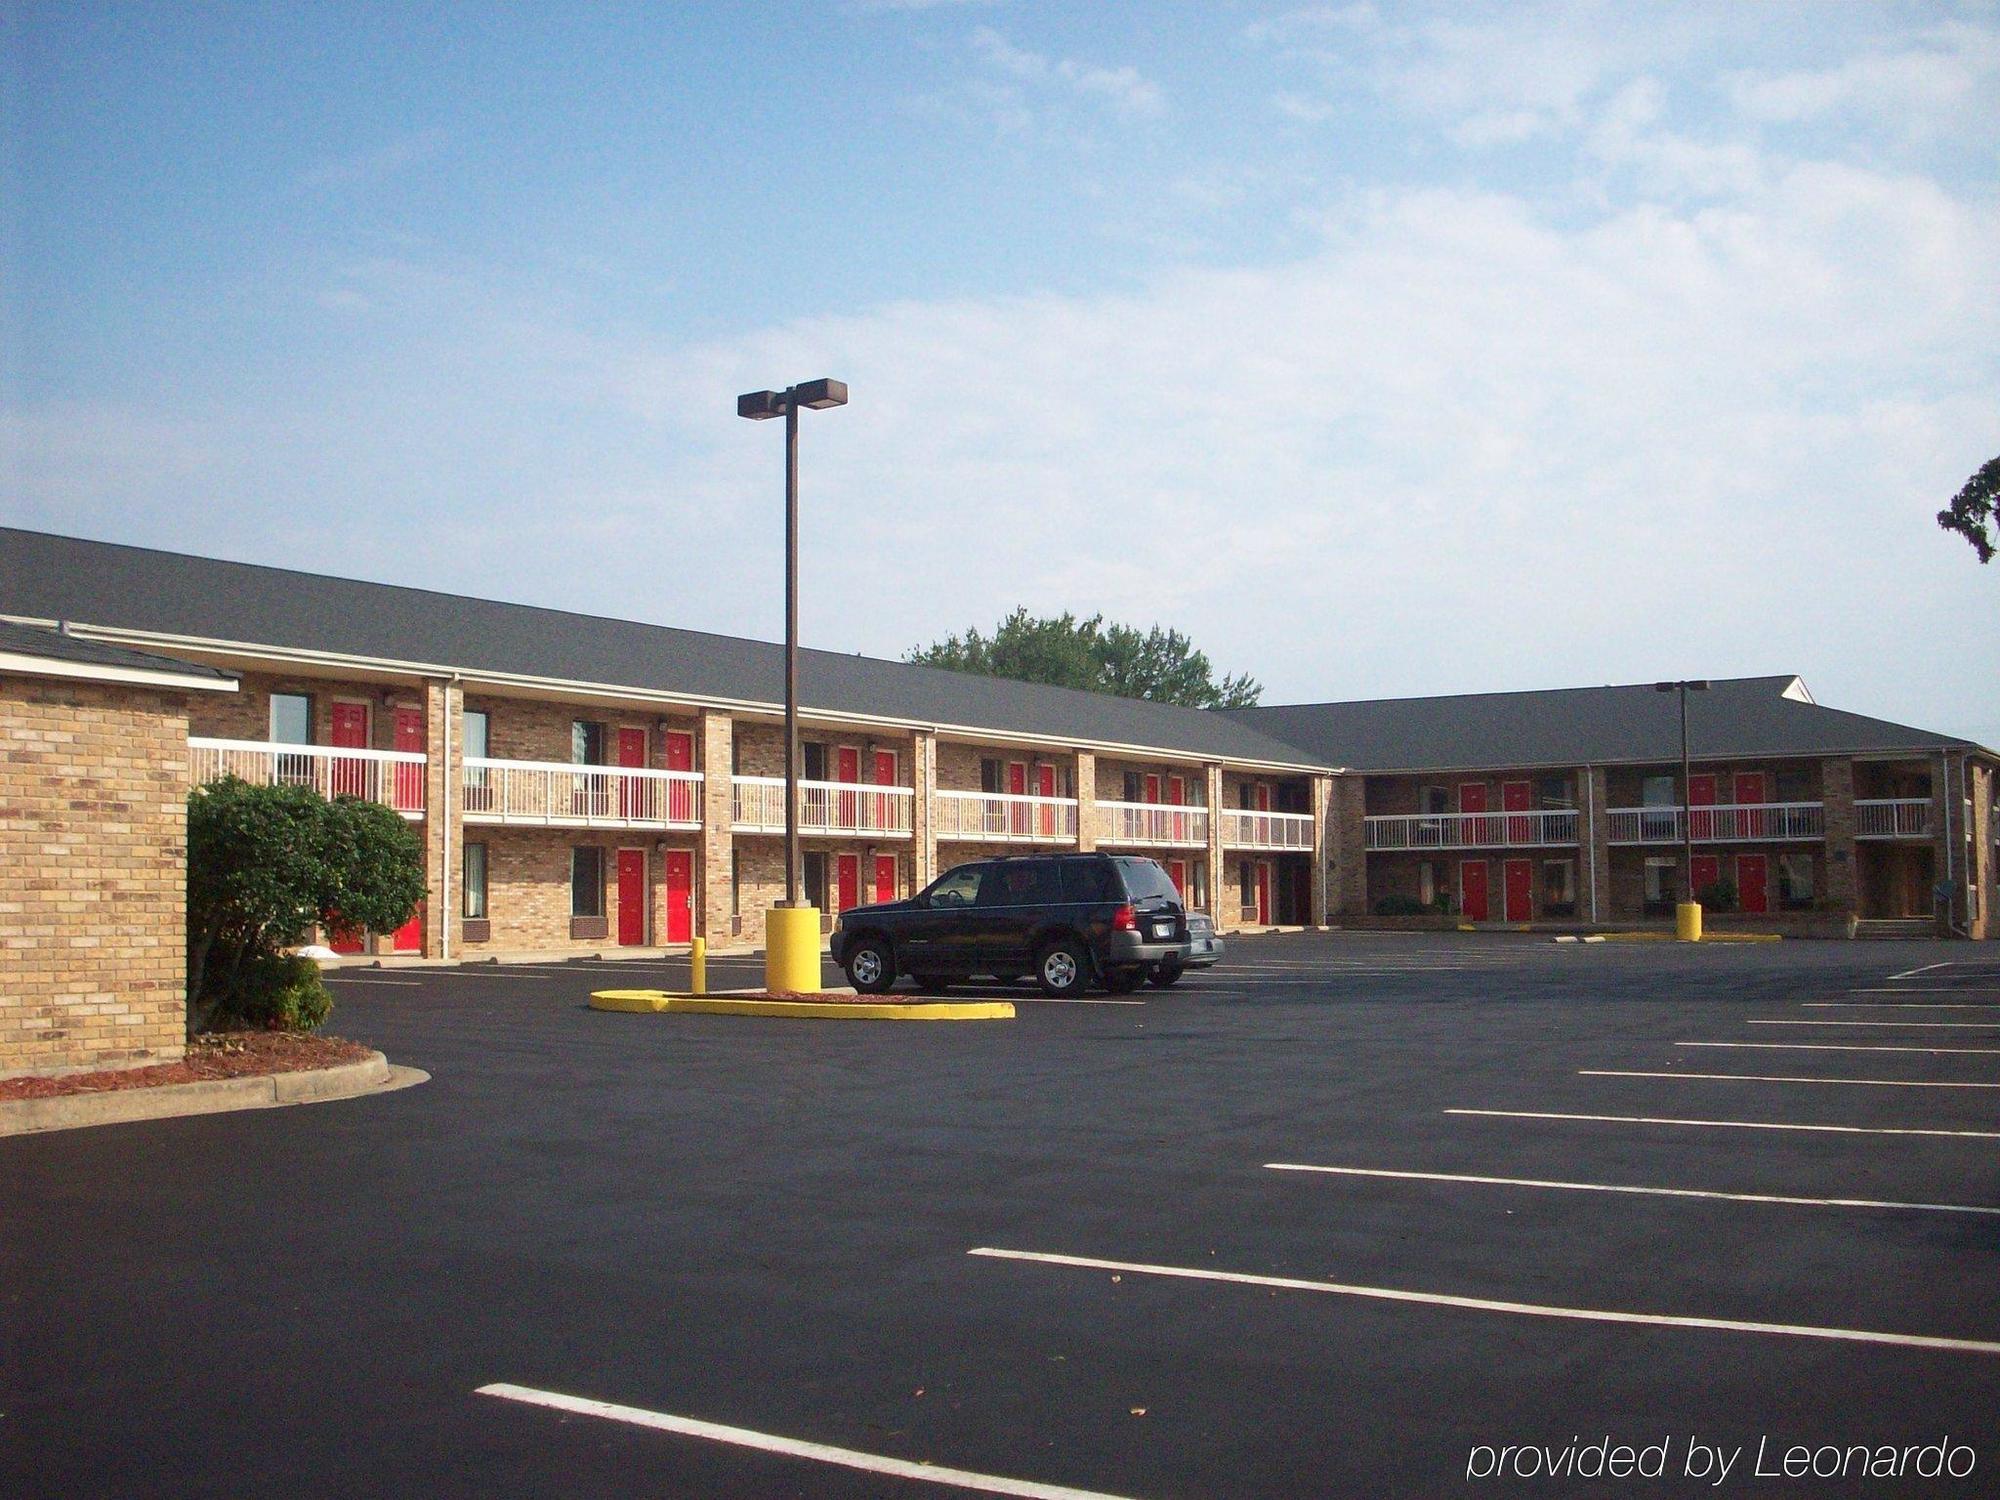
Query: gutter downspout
{"type": "Point", "coordinates": [444, 830]}
{"type": "Point", "coordinates": [1950, 864]}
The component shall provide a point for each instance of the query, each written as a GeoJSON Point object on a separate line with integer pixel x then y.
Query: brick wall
{"type": "Point", "coordinates": [93, 839]}
{"type": "Point", "coordinates": [246, 713]}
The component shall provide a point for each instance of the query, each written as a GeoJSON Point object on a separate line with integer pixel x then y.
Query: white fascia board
{"type": "Point", "coordinates": [13, 663]}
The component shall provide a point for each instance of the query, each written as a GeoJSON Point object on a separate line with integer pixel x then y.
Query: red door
{"type": "Point", "coordinates": [680, 895]}
{"type": "Point", "coordinates": [1045, 786]}
{"type": "Point", "coordinates": [1177, 873]}
{"type": "Point", "coordinates": [885, 877]}
{"type": "Point", "coordinates": [1263, 894]}
{"type": "Point", "coordinates": [885, 775]}
{"type": "Point", "coordinates": [632, 789]}
{"type": "Point", "coordinates": [1753, 875]}
{"type": "Point", "coordinates": [848, 880]}
{"type": "Point", "coordinates": [349, 775]}
{"type": "Point", "coordinates": [680, 794]}
{"type": "Point", "coordinates": [409, 938]}
{"type": "Point", "coordinates": [1750, 791]}
{"type": "Point", "coordinates": [1518, 797]}
{"type": "Point", "coordinates": [1176, 796]}
{"type": "Point", "coordinates": [847, 805]}
{"type": "Point", "coordinates": [342, 938]}
{"type": "Point", "coordinates": [631, 895]}
{"type": "Point", "coordinates": [1518, 889]}
{"type": "Point", "coordinates": [1706, 870]}
{"type": "Point", "coordinates": [409, 781]}
{"type": "Point", "coordinates": [1472, 799]}
{"type": "Point", "coordinates": [1262, 832]}
{"type": "Point", "coordinates": [1472, 884]}
{"type": "Point", "coordinates": [1701, 793]}
{"type": "Point", "coordinates": [1017, 786]}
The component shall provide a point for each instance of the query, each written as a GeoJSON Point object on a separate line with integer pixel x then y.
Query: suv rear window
{"type": "Point", "coordinates": [1026, 882]}
{"type": "Point", "coordinates": [1144, 879]}
{"type": "Point", "coordinates": [1091, 881]}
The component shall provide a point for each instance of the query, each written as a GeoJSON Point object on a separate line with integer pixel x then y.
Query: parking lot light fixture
{"type": "Point", "coordinates": [791, 938]}
{"type": "Point", "coordinates": [1687, 913]}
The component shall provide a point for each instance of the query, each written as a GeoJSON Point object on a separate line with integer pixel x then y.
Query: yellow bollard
{"type": "Point", "coordinates": [1687, 921]}
{"type": "Point", "coordinates": [698, 962]}
{"type": "Point", "coordinates": [791, 950]}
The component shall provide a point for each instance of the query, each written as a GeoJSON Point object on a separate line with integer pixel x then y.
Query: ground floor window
{"type": "Point", "coordinates": [1558, 887]}
{"type": "Point", "coordinates": [586, 881]}
{"type": "Point", "coordinates": [1427, 883]}
{"type": "Point", "coordinates": [1662, 883]}
{"type": "Point", "coordinates": [475, 882]}
{"type": "Point", "coordinates": [735, 882]}
{"type": "Point", "coordinates": [1246, 887]}
{"type": "Point", "coordinates": [1795, 881]}
{"type": "Point", "coordinates": [1198, 886]}
{"type": "Point", "coordinates": [815, 878]}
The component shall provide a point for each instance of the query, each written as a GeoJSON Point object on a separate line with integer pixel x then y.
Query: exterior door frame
{"type": "Point", "coordinates": [1525, 868]}
{"type": "Point", "coordinates": [641, 913]}
{"type": "Point", "coordinates": [890, 863]}
{"type": "Point", "coordinates": [677, 745]}
{"type": "Point", "coordinates": [1753, 897]}
{"type": "Point", "coordinates": [1465, 905]}
{"type": "Point", "coordinates": [846, 882]}
{"type": "Point", "coordinates": [681, 916]}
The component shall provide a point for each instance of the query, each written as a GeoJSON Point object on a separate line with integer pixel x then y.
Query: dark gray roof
{"type": "Point", "coordinates": [135, 588]}
{"type": "Point", "coordinates": [55, 645]}
{"type": "Point", "coordinates": [1747, 716]}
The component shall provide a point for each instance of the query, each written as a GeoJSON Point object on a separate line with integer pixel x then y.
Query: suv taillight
{"type": "Point", "coordinates": [1124, 920]}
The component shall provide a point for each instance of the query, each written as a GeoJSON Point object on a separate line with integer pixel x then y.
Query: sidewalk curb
{"type": "Point", "coordinates": [652, 1002]}
{"type": "Point", "coordinates": [371, 1074]}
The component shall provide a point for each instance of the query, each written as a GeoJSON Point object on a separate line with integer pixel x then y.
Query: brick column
{"type": "Point", "coordinates": [1981, 876]}
{"type": "Point", "coordinates": [1948, 840]}
{"type": "Point", "coordinates": [715, 744]}
{"type": "Point", "coordinates": [1323, 845]}
{"type": "Point", "coordinates": [1086, 800]}
{"type": "Point", "coordinates": [1843, 874]}
{"type": "Point", "coordinates": [1593, 840]}
{"type": "Point", "coordinates": [443, 822]}
{"type": "Point", "coordinates": [1227, 912]}
{"type": "Point", "coordinates": [1347, 847]}
{"type": "Point", "coordinates": [923, 806]}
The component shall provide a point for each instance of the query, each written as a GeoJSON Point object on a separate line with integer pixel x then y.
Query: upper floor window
{"type": "Point", "coordinates": [291, 719]}
{"type": "Point", "coordinates": [815, 761]}
{"type": "Point", "coordinates": [586, 744]}
{"type": "Point", "coordinates": [477, 731]}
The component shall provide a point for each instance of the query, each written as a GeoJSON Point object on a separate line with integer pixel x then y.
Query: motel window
{"type": "Point", "coordinates": [1135, 787]}
{"type": "Point", "coordinates": [815, 761]}
{"type": "Point", "coordinates": [477, 734]}
{"type": "Point", "coordinates": [1794, 786]}
{"type": "Point", "coordinates": [1555, 792]}
{"type": "Point", "coordinates": [1246, 796]}
{"type": "Point", "coordinates": [1795, 881]}
{"type": "Point", "coordinates": [815, 872]}
{"type": "Point", "coordinates": [1659, 791]}
{"type": "Point", "coordinates": [1198, 886]}
{"type": "Point", "coordinates": [291, 719]}
{"type": "Point", "coordinates": [586, 748]}
{"type": "Point", "coordinates": [992, 776]}
{"type": "Point", "coordinates": [1662, 883]}
{"type": "Point", "coordinates": [1246, 885]}
{"type": "Point", "coordinates": [586, 881]}
{"type": "Point", "coordinates": [475, 882]}
{"type": "Point", "coordinates": [1436, 799]}
{"type": "Point", "coordinates": [1427, 883]}
{"type": "Point", "coordinates": [1559, 887]}
{"type": "Point", "coordinates": [735, 882]}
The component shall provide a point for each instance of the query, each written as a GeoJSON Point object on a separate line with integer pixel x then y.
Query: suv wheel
{"type": "Point", "coordinates": [1167, 972]}
{"type": "Point", "coordinates": [1124, 981]}
{"type": "Point", "coordinates": [1063, 969]}
{"type": "Point", "coordinates": [871, 968]}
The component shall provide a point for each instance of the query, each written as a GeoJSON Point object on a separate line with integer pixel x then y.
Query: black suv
{"type": "Point", "coordinates": [1067, 919]}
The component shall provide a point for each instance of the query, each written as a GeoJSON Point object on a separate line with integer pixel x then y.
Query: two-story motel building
{"type": "Point", "coordinates": [584, 783]}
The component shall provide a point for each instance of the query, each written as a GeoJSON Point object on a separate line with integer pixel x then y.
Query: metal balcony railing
{"type": "Point", "coordinates": [1536, 829]}
{"type": "Point", "coordinates": [1153, 825]}
{"type": "Point", "coordinates": [1892, 818]}
{"type": "Point", "coordinates": [852, 807]}
{"type": "Point", "coordinates": [1005, 818]}
{"type": "Point", "coordinates": [1245, 829]}
{"type": "Point", "coordinates": [394, 778]}
{"type": "Point", "coordinates": [562, 795]}
{"type": "Point", "coordinates": [1722, 823]}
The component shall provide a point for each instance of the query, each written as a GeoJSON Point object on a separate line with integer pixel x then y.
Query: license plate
{"type": "Point", "coordinates": [1163, 929]}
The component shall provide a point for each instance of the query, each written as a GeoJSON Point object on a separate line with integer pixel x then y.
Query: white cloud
{"type": "Point", "coordinates": [1124, 89]}
{"type": "Point", "coordinates": [1949, 80]}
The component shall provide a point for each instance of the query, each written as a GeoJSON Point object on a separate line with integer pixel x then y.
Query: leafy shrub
{"type": "Point", "coordinates": [280, 992]}
{"type": "Point", "coordinates": [1718, 895]}
{"type": "Point", "coordinates": [1401, 906]}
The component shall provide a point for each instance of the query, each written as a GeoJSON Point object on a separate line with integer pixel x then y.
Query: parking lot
{"type": "Point", "coordinates": [1350, 1215]}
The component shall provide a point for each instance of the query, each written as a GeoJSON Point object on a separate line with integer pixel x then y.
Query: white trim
{"type": "Point", "coordinates": [13, 663]}
{"type": "Point", "coordinates": [573, 688]}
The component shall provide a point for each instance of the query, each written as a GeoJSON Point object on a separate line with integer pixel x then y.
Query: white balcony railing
{"type": "Point", "coordinates": [394, 778]}
{"type": "Point", "coordinates": [1535, 829]}
{"type": "Point", "coordinates": [1156, 825]}
{"type": "Point", "coordinates": [562, 795]}
{"type": "Point", "coordinates": [758, 806]}
{"type": "Point", "coordinates": [1725, 823]}
{"type": "Point", "coordinates": [1005, 818]}
{"type": "Point", "coordinates": [1892, 818]}
{"type": "Point", "coordinates": [1242, 829]}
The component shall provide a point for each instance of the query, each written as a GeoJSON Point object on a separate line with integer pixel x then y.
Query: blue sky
{"type": "Point", "coordinates": [1384, 349]}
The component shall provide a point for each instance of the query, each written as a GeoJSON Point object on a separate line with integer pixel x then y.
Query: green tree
{"type": "Point", "coordinates": [1974, 512]}
{"type": "Point", "coordinates": [1158, 664]}
{"type": "Point", "coordinates": [267, 864]}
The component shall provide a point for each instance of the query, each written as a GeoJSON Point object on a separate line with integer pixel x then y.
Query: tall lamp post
{"type": "Point", "coordinates": [1687, 914]}
{"type": "Point", "coordinates": [791, 938]}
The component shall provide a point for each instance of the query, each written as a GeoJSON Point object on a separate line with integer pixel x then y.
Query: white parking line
{"type": "Point", "coordinates": [1907, 989]}
{"type": "Point", "coordinates": [1921, 969]}
{"type": "Point", "coordinates": [1655, 1192]}
{"type": "Point", "coordinates": [1880, 1083]}
{"type": "Point", "coordinates": [744, 1437]}
{"type": "Point", "coordinates": [1899, 1004]}
{"type": "Point", "coordinates": [1904, 1025]}
{"type": "Point", "coordinates": [1542, 1114]}
{"type": "Point", "coordinates": [1842, 1047]}
{"type": "Point", "coordinates": [357, 979]}
{"type": "Point", "coordinates": [1483, 1304]}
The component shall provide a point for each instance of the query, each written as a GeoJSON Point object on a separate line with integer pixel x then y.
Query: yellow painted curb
{"type": "Point", "coordinates": [1710, 936]}
{"type": "Point", "coordinates": [648, 1001]}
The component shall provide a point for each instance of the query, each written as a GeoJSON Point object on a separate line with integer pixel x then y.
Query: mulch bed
{"type": "Point", "coordinates": [221, 1054]}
